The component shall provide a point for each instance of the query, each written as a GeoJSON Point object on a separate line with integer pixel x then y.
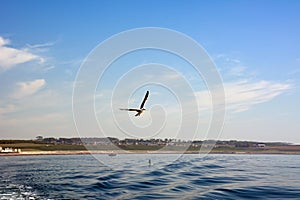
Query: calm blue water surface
{"type": "Point", "coordinates": [168, 177]}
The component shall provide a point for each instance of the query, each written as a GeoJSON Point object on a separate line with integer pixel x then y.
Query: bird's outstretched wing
{"type": "Point", "coordinates": [145, 99]}
{"type": "Point", "coordinates": [130, 109]}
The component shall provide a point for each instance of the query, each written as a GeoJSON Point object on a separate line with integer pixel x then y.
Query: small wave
{"type": "Point", "coordinates": [266, 192]}
{"type": "Point", "coordinates": [207, 181]}
{"type": "Point", "coordinates": [157, 173]}
{"type": "Point", "coordinates": [106, 185]}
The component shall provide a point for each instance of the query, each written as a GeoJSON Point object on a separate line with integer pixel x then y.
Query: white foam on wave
{"type": "Point", "coordinates": [17, 192]}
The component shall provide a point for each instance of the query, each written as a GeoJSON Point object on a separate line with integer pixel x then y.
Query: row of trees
{"type": "Point", "coordinates": [160, 142]}
{"type": "Point", "coordinates": [130, 141]}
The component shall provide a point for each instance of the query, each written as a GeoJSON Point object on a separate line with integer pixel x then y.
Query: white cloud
{"type": "Point", "coordinates": [10, 57]}
{"type": "Point", "coordinates": [28, 88]}
{"type": "Point", "coordinates": [242, 95]}
{"type": "Point", "coordinates": [3, 41]}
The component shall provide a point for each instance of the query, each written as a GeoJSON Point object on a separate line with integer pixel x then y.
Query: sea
{"type": "Point", "coordinates": [150, 176]}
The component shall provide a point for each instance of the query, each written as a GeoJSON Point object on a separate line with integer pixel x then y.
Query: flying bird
{"type": "Point", "coordinates": [141, 109]}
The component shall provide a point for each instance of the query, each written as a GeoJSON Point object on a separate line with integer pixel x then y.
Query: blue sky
{"type": "Point", "coordinates": [254, 44]}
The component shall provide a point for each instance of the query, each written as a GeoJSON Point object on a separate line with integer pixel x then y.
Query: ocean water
{"type": "Point", "coordinates": [168, 177]}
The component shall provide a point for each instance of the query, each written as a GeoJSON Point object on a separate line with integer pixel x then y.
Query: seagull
{"type": "Point", "coordinates": [141, 109]}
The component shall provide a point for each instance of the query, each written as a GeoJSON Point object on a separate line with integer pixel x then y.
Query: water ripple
{"type": "Point", "coordinates": [189, 177]}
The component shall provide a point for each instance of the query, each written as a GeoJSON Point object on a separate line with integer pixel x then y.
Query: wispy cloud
{"type": "Point", "coordinates": [28, 88]}
{"type": "Point", "coordinates": [242, 95]}
{"type": "Point", "coordinates": [237, 70]}
{"type": "Point", "coordinates": [232, 67]}
{"type": "Point", "coordinates": [242, 89]}
{"type": "Point", "coordinates": [226, 58]}
{"type": "Point", "coordinates": [48, 68]}
{"type": "Point", "coordinates": [7, 109]}
{"type": "Point", "coordinates": [42, 45]}
{"type": "Point", "coordinates": [10, 57]}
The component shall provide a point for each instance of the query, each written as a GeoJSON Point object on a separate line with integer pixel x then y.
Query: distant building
{"type": "Point", "coordinates": [261, 145]}
{"type": "Point", "coordinates": [9, 150]}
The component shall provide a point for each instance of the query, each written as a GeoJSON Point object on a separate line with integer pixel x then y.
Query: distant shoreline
{"type": "Point", "coordinates": [36, 153]}
{"type": "Point", "coordinates": [25, 148]}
